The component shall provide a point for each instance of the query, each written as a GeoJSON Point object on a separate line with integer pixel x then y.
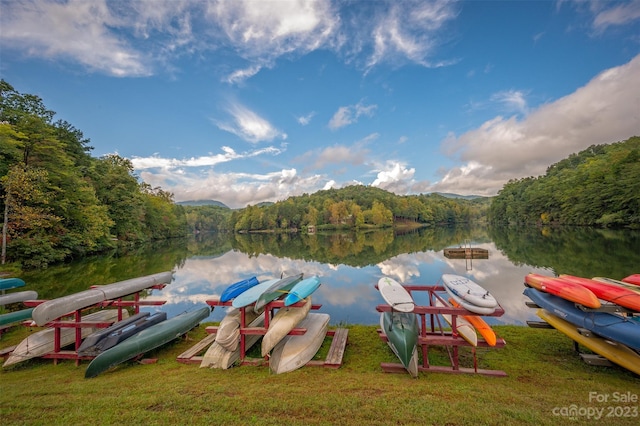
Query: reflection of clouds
{"type": "Point", "coordinates": [346, 293]}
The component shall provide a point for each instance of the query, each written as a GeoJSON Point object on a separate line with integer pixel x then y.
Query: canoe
{"type": "Point", "coordinates": [616, 353]}
{"type": "Point", "coordinates": [618, 283]}
{"type": "Point", "coordinates": [43, 342]}
{"type": "Point", "coordinates": [632, 279]}
{"type": "Point", "coordinates": [295, 351]}
{"type": "Point", "coordinates": [147, 340]}
{"type": "Point", "coordinates": [479, 324]}
{"type": "Point", "coordinates": [469, 291]}
{"type": "Point", "coordinates": [564, 289]}
{"type": "Point", "coordinates": [103, 340]}
{"type": "Point", "coordinates": [463, 327]}
{"type": "Point", "coordinates": [278, 289]}
{"type": "Point", "coordinates": [285, 320]}
{"type": "Point", "coordinates": [17, 296]}
{"type": "Point", "coordinates": [222, 358]}
{"type": "Point", "coordinates": [395, 295]}
{"type": "Point", "coordinates": [609, 326]}
{"type": "Point", "coordinates": [481, 310]}
{"type": "Point", "coordinates": [16, 316]}
{"type": "Point", "coordinates": [250, 296]}
{"type": "Point", "coordinates": [301, 290]}
{"type": "Point", "coordinates": [235, 289]}
{"type": "Point", "coordinates": [401, 329]}
{"type": "Point", "coordinates": [619, 295]}
{"type": "Point", "coordinates": [228, 334]}
{"type": "Point", "coordinates": [55, 308]}
{"type": "Point", "coordinates": [9, 283]}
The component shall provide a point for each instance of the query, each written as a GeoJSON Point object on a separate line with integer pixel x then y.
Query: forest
{"type": "Point", "coordinates": [599, 186]}
{"type": "Point", "coordinates": [61, 203]}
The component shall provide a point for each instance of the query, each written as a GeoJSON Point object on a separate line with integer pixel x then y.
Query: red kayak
{"type": "Point", "coordinates": [565, 289]}
{"type": "Point", "coordinates": [619, 295]}
{"type": "Point", "coordinates": [632, 279]}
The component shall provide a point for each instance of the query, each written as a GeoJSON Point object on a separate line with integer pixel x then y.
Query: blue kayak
{"type": "Point", "coordinates": [300, 291]}
{"type": "Point", "coordinates": [9, 283]}
{"type": "Point", "coordinates": [238, 288]}
{"type": "Point", "coordinates": [609, 326]}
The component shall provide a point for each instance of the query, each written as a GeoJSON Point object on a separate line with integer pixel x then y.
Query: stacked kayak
{"type": "Point", "coordinates": [590, 312]}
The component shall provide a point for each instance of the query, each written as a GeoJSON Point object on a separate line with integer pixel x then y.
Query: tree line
{"type": "Point", "coordinates": [58, 201]}
{"type": "Point", "coordinates": [352, 207]}
{"type": "Point", "coordinates": [599, 186]}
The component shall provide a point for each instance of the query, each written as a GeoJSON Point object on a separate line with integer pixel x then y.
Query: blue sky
{"type": "Point", "coordinates": [252, 101]}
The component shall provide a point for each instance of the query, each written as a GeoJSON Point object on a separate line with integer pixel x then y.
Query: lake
{"type": "Point", "coordinates": [349, 264]}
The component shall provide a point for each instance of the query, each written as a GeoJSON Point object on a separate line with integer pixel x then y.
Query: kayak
{"type": "Point", "coordinates": [17, 297]}
{"type": "Point", "coordinates": [101, 341]}
{"type": "Point", "coordinates": [463, 327]}
{"type": "Point", "coordinates": [619, 295]}
{"type": "Point", "coordinates": [295, 351]}
{"type": "Point", "coordinates": [237, 288]}
{"type": "Point", "coordinates": [480, 325]}
{"type": "Point", "coordinates": [147, 340]}
{"type": "Point", "coordinates": [285, 320]}
{"type": "Point", "coordinates": [632, 279]}
{"type": "Point", "coordinates": [16, 316]}
{"type": "Point", "coordinates": [564, 289]}
{"type": "Point", "coordinates": [251, 295]}
{"type": "Point", "coordinates": [9, 283]}
{"type": "Point", "coordinates": [300, 291]}
{"type": "Point", "coordinates": [278, 289]}
{"type": "Point", "coordinates": [609, 326]}
{"type": "Point", "coordinates": [55, 308]}
{"type": "Point", "coordinates": [401, 329]}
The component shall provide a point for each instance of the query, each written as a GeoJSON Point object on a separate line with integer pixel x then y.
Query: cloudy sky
{"type": "Point", "coordinates": [248, 101]}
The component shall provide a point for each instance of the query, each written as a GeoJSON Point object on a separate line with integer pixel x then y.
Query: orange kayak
{"type": "Point", "coordinates": [616, 294]}
{"type": "Point", "coordinates": [562, 288]}
{"type": "Point", "coordinates": [479, 324]}
{"type": "Point", "coordinates": [632, 279]}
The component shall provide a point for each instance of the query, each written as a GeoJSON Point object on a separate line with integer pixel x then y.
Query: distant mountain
{"type": "Point", "coordinates": [203, 203]}
{"type": "Point", "coordinates": [465, 197]}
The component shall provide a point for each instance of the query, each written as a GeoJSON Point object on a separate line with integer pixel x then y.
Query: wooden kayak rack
{"type": "Point", "coordinates": [435, 333]}
{"type": "Point", "coordinates": [76, 323]}
{"type": "Point", "coordinates": [333, 359]}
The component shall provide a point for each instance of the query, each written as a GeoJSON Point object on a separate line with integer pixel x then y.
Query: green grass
{"type": "Point", "coordinates": [543, 373]}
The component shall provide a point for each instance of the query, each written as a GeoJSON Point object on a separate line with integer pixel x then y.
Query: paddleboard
{"type": "Point", "coordinates": [395, 295]}
{"type": "Point", "coordinates": [469, 291]}
{"type": "Point", "coordinates": [469, 306]}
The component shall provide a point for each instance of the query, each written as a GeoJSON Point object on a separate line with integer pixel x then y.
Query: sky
{"type": "Point", "coordinates": [252, 101]}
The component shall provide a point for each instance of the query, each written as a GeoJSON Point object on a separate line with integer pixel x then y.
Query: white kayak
{"type": "Point", "coordinates": [55, 308]}
{"type": "Point", "coordinates": [463, 327]}
{"type": "Point", "coordinates": [285, 320]}
{"type": "Point", "coordinates": [395, 295]}
{"type": "Point", "coordinates": [294, 351]}
{"type": "Point", "coordinates": [228, 334]}
{"type": "Point", "coordinates": [43, 342]}
{"type": "Point", "coordinates": [221, 358]}
{"type": "Point", "coordinates": [469, 291]}
{"type": "Point", "coordinates": [17, 296]}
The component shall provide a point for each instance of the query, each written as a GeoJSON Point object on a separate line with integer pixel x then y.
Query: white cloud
{"type": "Point", "coordinates": [305, 119]}
{"type": "Point", "coordinates": [618, 14]}
{"type": "Point", "coordinates": [249, 126]}
{"type": "Point", "coordinates": [349, 114]}
{"type": "Point", "coordinates": [513, 100]}
{"type": "Point", "coordinates": [395, 177]}
{"type": "Point", "coordinates": [605, 110]}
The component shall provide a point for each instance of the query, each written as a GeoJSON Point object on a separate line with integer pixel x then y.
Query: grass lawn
{"type": "Point", "coordinates": [547, 384]}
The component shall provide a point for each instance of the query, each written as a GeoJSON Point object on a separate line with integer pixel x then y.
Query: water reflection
{"type": "Point", "coordinates": [349, 264]}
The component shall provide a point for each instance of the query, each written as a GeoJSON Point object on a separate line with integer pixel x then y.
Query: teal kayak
{"type": "Point", "coordinates": [9, 283]}
{"type": "Point", "coordinates": [16, 316]}
{"type": "Point", "coordinates": [149, 339]}
{"type": "Point", "coordinates": [300, 291]}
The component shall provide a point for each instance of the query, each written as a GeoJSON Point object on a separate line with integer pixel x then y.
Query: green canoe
{"type": "Point", "coordinates": [16, 316]}
{"type": "Point", "coordinates": [149, 339]}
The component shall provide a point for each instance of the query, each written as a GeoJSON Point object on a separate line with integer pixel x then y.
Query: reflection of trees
{"type": "Point", "coordinates": [355, 248]}
{"type": "Point", "coordinates": [584, 252]}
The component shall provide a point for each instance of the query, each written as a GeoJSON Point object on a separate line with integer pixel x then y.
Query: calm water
{"type": "Point", "coordinates": [349, 265]}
